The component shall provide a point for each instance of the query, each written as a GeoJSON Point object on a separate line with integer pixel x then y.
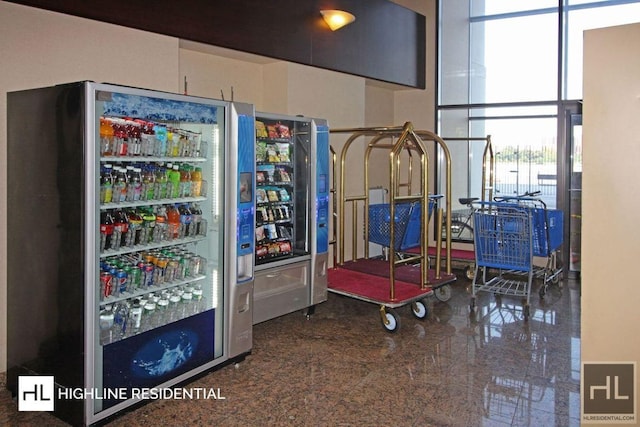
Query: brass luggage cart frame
{"type": "Point", "coordinates": [367, 285]}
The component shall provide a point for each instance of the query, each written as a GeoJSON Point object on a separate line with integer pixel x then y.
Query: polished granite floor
{"type": "Point", "coordinates": [340, 368]}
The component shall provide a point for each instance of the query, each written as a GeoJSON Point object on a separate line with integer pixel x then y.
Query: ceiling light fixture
{"type": "Point", "coordinates": [337, 19]}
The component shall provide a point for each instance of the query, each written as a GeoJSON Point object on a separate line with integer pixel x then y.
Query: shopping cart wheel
{"type": "Point", "coordinates": [419, 309]}
{"type": "Point", "coordinates": [390, 319]}
{"type": "Point", "coordinates": [443, 293]}
{"type": "Point", "coordinates": [543, 291]}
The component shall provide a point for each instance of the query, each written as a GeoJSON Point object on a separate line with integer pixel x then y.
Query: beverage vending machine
{"type": "Point", "coordinates": [130, 242]}
{"type": "Point", "coordinates": [292, 208]}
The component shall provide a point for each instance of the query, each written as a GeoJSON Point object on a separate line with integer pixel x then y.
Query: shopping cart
{"type": "Point", "coordinates": [407, 225]}
{"type": "Point", "coordinates": [547, 225]}
{"type": "Point", "coordinates": [503, 242]}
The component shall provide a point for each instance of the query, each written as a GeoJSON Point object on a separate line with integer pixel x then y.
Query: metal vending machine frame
{"type": "Point", "coordinates": [292, 208]}
{"type": "Point", "coordinates": [54, 325]}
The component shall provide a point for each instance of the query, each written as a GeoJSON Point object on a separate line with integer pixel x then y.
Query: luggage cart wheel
{"type": "Point", "coordinates": [470, 272]}
{"type": "Point", "coordinates": [443, 293]}
{"type": "Point", "coordinates": [390, 319]}
{"type": "Point", "coordinates": [419, 309]}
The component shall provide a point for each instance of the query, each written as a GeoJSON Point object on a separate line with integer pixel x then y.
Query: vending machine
{"type": "Point", "coordinates": [292, 208]}
{"type": "Point", "coordinates": [130, 242]}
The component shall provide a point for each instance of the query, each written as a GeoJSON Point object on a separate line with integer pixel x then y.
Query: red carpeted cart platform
{"type": "Point", "coordinates": [368, 280]}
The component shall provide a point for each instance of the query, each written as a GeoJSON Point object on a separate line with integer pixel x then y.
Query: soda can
{"type": "Point", "coordinates": [106, 285]}
{"type": "Point", "coordinates": [195, 265]}
{"type": "Point", "coordinates": [135, 277]}
{"type": "Point", "coordinates": [171, 270]}
{"type": "Point", "coordinates": [147, 275]}
{"type": "Point", "coordinates": [122, 280]}
{"type": "Point", "coordinates": [180, 270]}
{"type": "Point", "coordinates": [158, 274]}
{"type": "Point", "coordinates": [185, 263]}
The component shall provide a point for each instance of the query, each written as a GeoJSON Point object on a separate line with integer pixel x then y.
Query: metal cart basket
{"type": "Point", "coordinates": [547, 227]}
{"type": "Point", "coordinates": [503, 241]}
{"type": "Point", "coordinates": [407, 224]}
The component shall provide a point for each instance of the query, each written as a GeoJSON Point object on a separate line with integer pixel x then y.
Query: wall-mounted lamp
{"type": "Point", "coordinates": [337, 19]}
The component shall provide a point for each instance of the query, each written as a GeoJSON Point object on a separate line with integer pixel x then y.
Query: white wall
{"type": "Point", "coordinates": [611, 198]}
{"type": "Point", "coordinates": [40, 48]}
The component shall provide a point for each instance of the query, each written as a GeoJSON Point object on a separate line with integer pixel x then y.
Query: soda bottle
{"type": "Point", "coordinates": [174, 140]}
{"type": "Point", "coordinates": [185, 220]}
{"type": "Point", "coordinates": [174, 180]}
{"type": "Point", "coordinates": [196, 182]}
{"type": "Point", "coordinates": [148, 225]}
{"type": "Point", "coordinates": [135, 227]}
{"type": "Point", "coordinates": [106, 230]}
{"type": "Point", "coordinates": [185, 181]}
{"type": "Point", "coordinates": [135, 315]}
{"type": "Point", "coordinates": [148, 183]}
{"type": "Point", "coordinates": [161, 180]}
{"type": "Point", "coordinates": [120, 185]}
{"type": "Point", "coordinates": [121, 225]}
{"type": "Point", "coordinates": [134, 188]}
{"type": "Point", "coordinates": [196, 219]}
{"type": "Point", "coordinates": [160, 133]}
{"type": "Point", "coordinates": [133, 138]}
{"type": "Point", "coordinates": [106, 184]}
{"type": "Point", "coordinates": [106, 325]}
{"type": "Point", "coordinates": [120, 317]}
{"type": "Point", "coordinates": [106, 137]}
{"type": "Point", "coordinates": [160, 231]}
{"type": "Point", "coordinates": [173, 217]}
{"type": "Point", "coordinates": [120, 140]}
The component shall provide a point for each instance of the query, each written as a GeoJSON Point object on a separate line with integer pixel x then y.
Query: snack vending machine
{"type": "Point", "coordinates": [292, 208]}
{"type": "Point", "coordinates": [131, 246]}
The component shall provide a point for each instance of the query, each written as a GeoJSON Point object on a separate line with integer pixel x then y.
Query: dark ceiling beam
{"type": "Point", "coordinates": [387, 42]}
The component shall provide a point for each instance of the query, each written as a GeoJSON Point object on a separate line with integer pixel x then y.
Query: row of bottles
{"type": "Point", "coordinates": [123, 228]}
{"type": "Point", "coordinates": [128, 137]}
{"type": "Point", "coordinates": [146, 312]}
{"type": "Point", "coordinates": [150, 181]}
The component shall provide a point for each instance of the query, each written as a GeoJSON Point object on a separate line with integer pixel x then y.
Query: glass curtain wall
{"type": "Point", "coordinates": [512, 70]}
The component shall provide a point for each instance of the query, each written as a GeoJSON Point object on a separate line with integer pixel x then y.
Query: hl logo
{"type": "Point", "coordinates": [608, 389]}
{"type": "Point", "coordinates": [35, 393]}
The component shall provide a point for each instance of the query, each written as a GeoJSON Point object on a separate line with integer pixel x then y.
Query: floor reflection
{"type": "Point", "coordinates": [340, 367]}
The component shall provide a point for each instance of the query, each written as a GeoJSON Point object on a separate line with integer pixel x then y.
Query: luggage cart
{"type": "Point", "coordinates": [403, 278]}
{"type": "Point", "coordinates": [503, 240]}
{"type": "Point", "coordinates": [547, 225]}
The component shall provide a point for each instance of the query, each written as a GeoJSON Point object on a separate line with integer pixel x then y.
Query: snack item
{"type": "Point", "coordinates": [261, 196]}
{"type": "Point", "coordinates": [285, 246]}
{"type": "Point", "coordinates": [273, 196]}
{"type": "Point", "coordinates": [260, 233]}
{"type": "Point", "coordinates": [283, 152]}
{"type": "Point", "coordinates": [261, 152]}
{"type": "Point", "coordinates": [272, 131]}
{"type": "Point", "coordinates": [270, 231]}
{"type": "Point", "coordinates": [283, 131]}
{"type": "Point", "coordinates": [261, 130]}
{"type": "Point", "coordinates": [262, 251]}
{"type": "Point", "coordinates": [284, 195]}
